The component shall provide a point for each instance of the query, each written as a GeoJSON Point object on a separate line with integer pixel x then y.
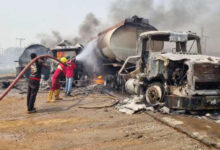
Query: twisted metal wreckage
{"type": "Point", "coordinates": [180, 78]}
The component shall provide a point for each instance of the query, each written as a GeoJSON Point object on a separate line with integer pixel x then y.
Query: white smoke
{"type": "Point", "coordinates": [89, 59]}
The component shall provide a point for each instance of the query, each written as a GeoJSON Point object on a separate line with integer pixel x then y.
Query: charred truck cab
{"type": "Point", "coordinates": [171, 69]}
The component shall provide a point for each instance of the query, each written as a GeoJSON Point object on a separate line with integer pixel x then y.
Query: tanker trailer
{"type": "Point", "coordinates": [117, 43]}
{"type": "Point", "coordinates": [114, 45]}
{"type": "Point", "coordinates": [25, 58]}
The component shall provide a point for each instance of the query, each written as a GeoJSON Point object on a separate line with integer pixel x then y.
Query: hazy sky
{"type": "Point", "coordinates": [28, 18]}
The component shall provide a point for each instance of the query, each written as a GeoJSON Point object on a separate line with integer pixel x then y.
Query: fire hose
{"type": "Point", "coordinates": [23, 71]}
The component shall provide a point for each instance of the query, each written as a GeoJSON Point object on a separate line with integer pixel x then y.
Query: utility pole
{"type": "Point", "coordinates": [204, 40]}
{"type": "Point", "coordinates": [20, 40]}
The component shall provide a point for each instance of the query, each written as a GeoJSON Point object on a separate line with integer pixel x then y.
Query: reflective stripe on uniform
{"type": "Point", "coordinates": [59, 67]}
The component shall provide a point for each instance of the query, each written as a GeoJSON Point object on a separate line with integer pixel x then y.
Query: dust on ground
{"type": "Point", "coordinates": [65, 126]}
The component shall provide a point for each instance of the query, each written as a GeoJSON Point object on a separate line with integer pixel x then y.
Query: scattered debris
{"type": "Point", "coordinates": [131, 105]}
{"type": "Point", "coordinates": [94, 88]}
{"type": "Point", "coordinates": [44, 85]}
{"type": "Point", "coordinates": [150, 109]}
{"type": "Point", "coordinates": [214, 116]}
{"type": "Point", "coordinates": [165, 110]}
{"type": "Point", "coordinates": [134, 104]}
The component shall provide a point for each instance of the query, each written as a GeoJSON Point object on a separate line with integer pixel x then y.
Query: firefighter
{"type": "Point", "coordinates": [71, 67]}
{"type": "Point", "coordinates": [55, 86]}
{"type": "Point", "coordinates": [34, 82]}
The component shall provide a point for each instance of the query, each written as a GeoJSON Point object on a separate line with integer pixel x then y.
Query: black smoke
{"type": "Point", "coordinates": [178, 15]}
{"type": "Point", "coordinates": [88, 29]}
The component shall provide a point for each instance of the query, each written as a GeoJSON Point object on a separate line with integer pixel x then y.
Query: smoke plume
{"type": "Point", "coordinates": [88, 29]}
{"type": "Point", "coordinates": [178, 15]}
{"type": "Point", "coordinates": [50, 40]}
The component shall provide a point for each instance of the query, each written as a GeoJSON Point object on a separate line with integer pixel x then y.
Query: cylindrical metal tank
{"type": "Point", "coordinates": [25, 58]}
{"type": "Point", "coordinates": [120, 41]}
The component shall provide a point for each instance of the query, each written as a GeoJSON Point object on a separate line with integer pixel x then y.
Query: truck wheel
{"type": "Point", "coordinates": [154, 93]}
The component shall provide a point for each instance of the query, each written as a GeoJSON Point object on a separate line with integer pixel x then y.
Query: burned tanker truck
{"type": "Point", "coordinates": [114, 45]}
{"type": "Point", "coordinates": [159, 66]}
{"type": "Point", "coordinates": [171, 69]}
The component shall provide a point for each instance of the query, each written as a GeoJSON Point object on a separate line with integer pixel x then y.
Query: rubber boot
{"type": "Point", "coordinates": [50, 97]}
{"type": "Point", "coordinates": [57, 95]}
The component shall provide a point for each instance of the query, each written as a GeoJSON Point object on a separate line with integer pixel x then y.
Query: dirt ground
{"type": "Point", "coordinates": [65, 126]}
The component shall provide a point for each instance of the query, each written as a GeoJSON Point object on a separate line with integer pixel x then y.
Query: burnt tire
{"type": "Point", "coordinates": [154, 93]}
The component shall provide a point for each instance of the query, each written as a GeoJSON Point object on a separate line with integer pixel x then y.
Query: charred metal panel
{"type": "Point", "coordinates": [207, 85]}
{"type": "Point", "coordinates": [206, 68]}
{"type": "Point", "coordinates": [155, 67]}
{"type": "Point", "coordinates": [207, 72]}
{"type": "Point", "coordinates": [193, 103]}
{"type": "Point", "coordinates": [207, 76]}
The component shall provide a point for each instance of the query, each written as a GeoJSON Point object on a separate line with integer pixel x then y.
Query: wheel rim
{"type": "Point", "coordinates": [153, 94]}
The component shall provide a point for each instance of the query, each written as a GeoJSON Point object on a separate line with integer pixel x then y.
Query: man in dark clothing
{"type": "Point", "coordinates": [34, 82]}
